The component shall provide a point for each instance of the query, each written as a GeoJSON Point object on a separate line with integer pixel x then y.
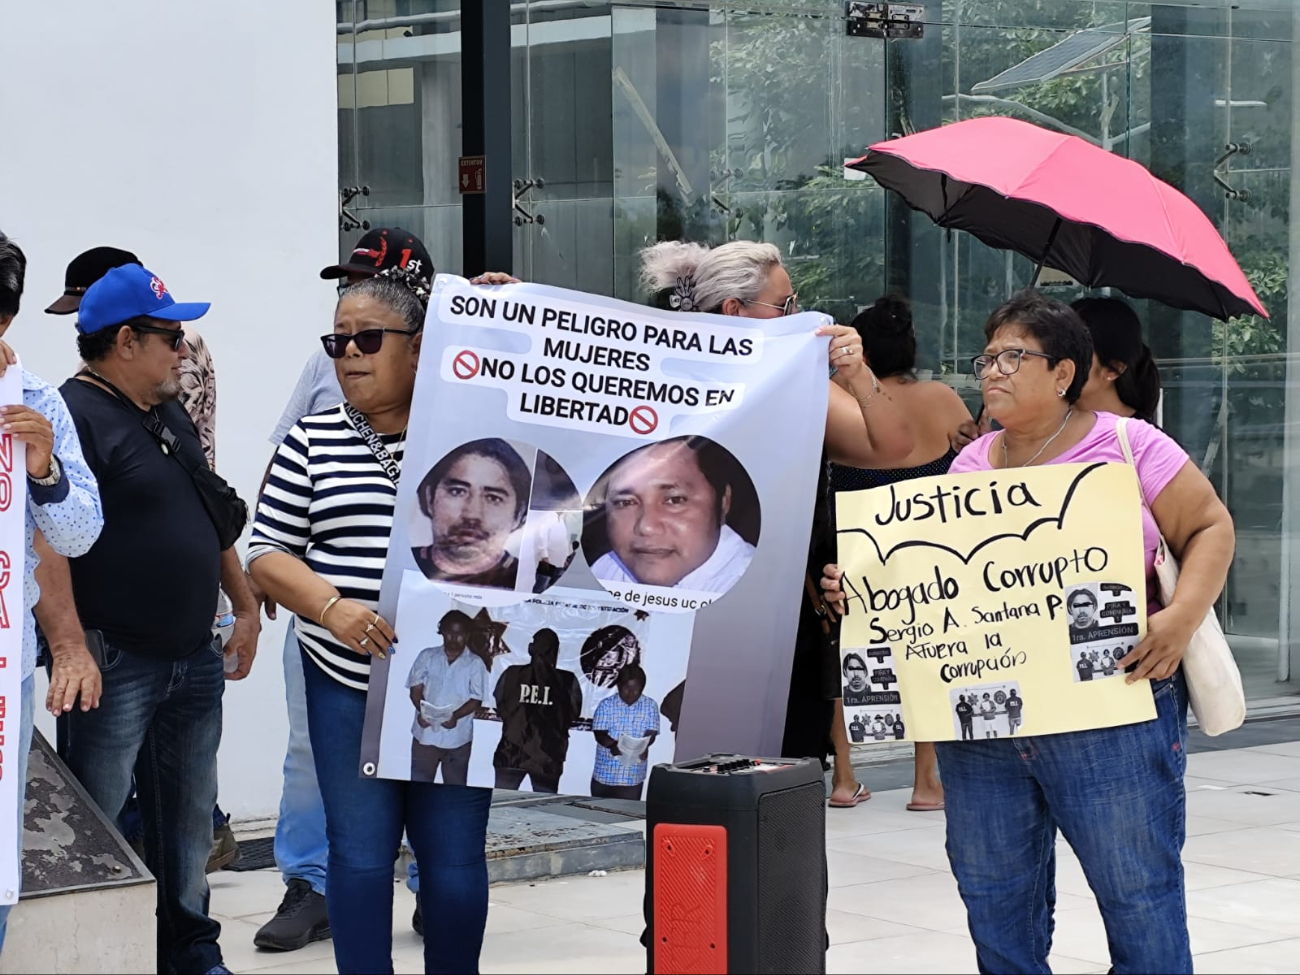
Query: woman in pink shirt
{"type": "Point", "coordinates": [1116, 794]}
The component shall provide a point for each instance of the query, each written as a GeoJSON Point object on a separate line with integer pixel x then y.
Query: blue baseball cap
{"type": "Point", "coordinates": [128, 292]}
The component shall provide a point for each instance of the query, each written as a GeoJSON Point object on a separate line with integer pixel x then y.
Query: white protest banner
{"type": "Point", "coordinates": [597, 498]}
{"type": "Point", "coordinates": [13, 559]}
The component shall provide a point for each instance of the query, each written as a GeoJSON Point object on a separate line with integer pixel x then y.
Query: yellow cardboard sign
{"type": "Point", "coordinates": [993, 604]}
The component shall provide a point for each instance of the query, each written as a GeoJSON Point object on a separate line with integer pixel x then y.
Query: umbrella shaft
{"type": "Point", "coordinates": [1051, 239]}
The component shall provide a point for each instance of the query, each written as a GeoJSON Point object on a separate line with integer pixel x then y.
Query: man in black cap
{"type": "Point", "coordinates": [83, 271]}
{"type": "Point", "coordinates": [198, 396]}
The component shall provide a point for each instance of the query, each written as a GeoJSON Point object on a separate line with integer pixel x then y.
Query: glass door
{"type": "Point", "coordinates": [733, 123]}
{"type": "Point", "coordinates": [562, 144]}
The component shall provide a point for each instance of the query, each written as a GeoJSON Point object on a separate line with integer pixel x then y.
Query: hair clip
{"type": "Point", "coordinates": [682, 297]}
{"type": "Point", "coordinates": [417, 285]}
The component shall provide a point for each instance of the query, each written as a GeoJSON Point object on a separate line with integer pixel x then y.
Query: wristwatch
{"type": "Point", "coordinates": [53, 477]}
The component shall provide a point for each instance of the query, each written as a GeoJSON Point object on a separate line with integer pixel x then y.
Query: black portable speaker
{"type": "Point", "coordinates": [736, 866]}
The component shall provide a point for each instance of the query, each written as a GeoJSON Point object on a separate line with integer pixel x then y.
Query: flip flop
{"type": "Point", "coordinates": [862, 795]}
{"type": "Point", "coordinates": [925, 807]}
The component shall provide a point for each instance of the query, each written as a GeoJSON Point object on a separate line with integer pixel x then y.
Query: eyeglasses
{"type": "Point", "coordinates": [176, 335]}
{"type": "Point", "coordinates": [788, 307]}
{"type": "Point", "coordinates": [1008, 361]}
{"type": "Point", "coordinates": [369, 341]}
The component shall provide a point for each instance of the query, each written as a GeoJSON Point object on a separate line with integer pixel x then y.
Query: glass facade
{"type": "Point", "coordinates": [713, 121]}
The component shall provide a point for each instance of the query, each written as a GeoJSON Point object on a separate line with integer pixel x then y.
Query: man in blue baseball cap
{"type": "Point", "coordinates": [63, 503]}
{"type": "Point", "coordinates": [148, 590]}
{"type": "Point", "coordinates": [62, 631]}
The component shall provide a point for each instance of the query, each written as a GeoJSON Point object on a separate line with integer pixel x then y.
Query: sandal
{"type": "Point", "coordinates": [861, 795]}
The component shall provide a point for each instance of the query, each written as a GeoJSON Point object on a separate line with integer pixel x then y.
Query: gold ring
{"type": "Point", "coordinates": [364, 640]}
{"type": "Point", "coordinates": [370, 627]}
{"type": "Point", "coordinates": [375, 620]}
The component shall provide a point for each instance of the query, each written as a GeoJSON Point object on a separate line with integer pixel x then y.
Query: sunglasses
{"type": "Point", "coordinates": [369, 341]}
{"type": "Point", "coordinates": [787, 307]}
{"type": "Point", "coordinates": [176, 335]}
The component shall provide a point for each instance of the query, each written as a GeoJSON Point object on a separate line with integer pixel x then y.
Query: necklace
{"type": "Point", "coordinates": [1006, 461]}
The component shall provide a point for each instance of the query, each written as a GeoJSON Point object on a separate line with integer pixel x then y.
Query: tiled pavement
{"type": "Point", "coordinates": [893, 904]}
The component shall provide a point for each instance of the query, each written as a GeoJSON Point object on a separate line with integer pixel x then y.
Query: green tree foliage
{"type": "Point", "coordinates": [800, 98]}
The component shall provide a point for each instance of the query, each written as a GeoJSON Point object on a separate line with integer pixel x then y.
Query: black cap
{"type": "Point", "coordinates": [381, 249]}
{"type": "Point", "coordinates": [84, 270]}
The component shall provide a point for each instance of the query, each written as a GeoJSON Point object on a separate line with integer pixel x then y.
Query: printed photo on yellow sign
{"type": "Point", "coordinates": [992, 604]}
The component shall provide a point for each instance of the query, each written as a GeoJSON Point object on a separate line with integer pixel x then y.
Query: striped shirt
{"type": "Point", "coordinates": [329, 503]}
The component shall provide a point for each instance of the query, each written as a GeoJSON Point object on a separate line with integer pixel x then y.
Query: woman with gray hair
{"type": "Point", "coordinates": [864, 428]}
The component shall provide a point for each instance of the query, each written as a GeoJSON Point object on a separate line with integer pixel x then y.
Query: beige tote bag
{"type": "Point", "coordinates": [1213, 680]}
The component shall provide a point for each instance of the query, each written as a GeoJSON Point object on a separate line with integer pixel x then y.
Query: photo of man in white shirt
{"type": "Point", "coordinates": [447, 685]}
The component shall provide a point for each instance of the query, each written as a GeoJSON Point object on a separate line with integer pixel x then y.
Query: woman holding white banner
{"type": "Point", "coordinates": [1116, 794]}
{"type": "Point", "coordinates": [864, 428]}
{"type": "Point", "coordinates": [319, 544]}
{"type": "Point", "coordinates": [890, 342]}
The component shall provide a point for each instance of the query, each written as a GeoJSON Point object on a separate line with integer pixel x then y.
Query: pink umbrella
{"type": "Point", "coordinates": [1064, 202]}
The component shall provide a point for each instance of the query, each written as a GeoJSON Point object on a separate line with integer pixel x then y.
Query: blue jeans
{"type": "Point", "coordinates": [300, 847]}
{"type": "Point", "coordinates": [1116, 794]}
{"type": "Point", "coordinates": [130, 823]}
{"type": "Point", "coordinates": [24, 748]}
{"type": "Point", "coordinates": [364, 820]}
{"type": "Point", "coordinates": [161, 720]}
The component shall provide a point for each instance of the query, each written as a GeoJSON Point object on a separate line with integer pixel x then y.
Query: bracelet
{"type": "Point", "coordinates": [332, 601]}
{"type": "Point", "coordinates": [865, 402]}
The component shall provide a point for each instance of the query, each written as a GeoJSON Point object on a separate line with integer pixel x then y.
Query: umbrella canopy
{"type": "Point", "coordinates": [1063, 202]}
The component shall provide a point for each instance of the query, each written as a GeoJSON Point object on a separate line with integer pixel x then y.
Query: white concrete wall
{"type": "Point", "coordinates": [204, 138]}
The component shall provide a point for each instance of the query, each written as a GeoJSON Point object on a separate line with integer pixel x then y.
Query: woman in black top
{"type": "Point", "coordinates": [935, 408]}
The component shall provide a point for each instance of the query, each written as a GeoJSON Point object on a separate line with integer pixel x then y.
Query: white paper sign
{"type": "Point", "coordinates": [13, 557]}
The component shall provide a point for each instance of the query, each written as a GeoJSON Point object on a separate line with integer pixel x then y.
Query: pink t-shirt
{"type": "Point", "coordinates": [1155, 455]}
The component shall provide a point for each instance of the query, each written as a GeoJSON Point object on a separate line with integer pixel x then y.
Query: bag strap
{"type": "Point", "coordinates": [1121, 431]}
{"type": "Point", "coordinates": [151, 421]}
{"type": "Point", "coordinates": [391, 467]}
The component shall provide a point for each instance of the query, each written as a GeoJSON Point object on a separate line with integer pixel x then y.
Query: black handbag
{"type": "Point", "coordinates": [225, 508]}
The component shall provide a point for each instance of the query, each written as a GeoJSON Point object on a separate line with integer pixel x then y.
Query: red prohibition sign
{"type": "Point", "coordinates": [643, 420]}
{"type": "Point", "coordinates": [465, 365]}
